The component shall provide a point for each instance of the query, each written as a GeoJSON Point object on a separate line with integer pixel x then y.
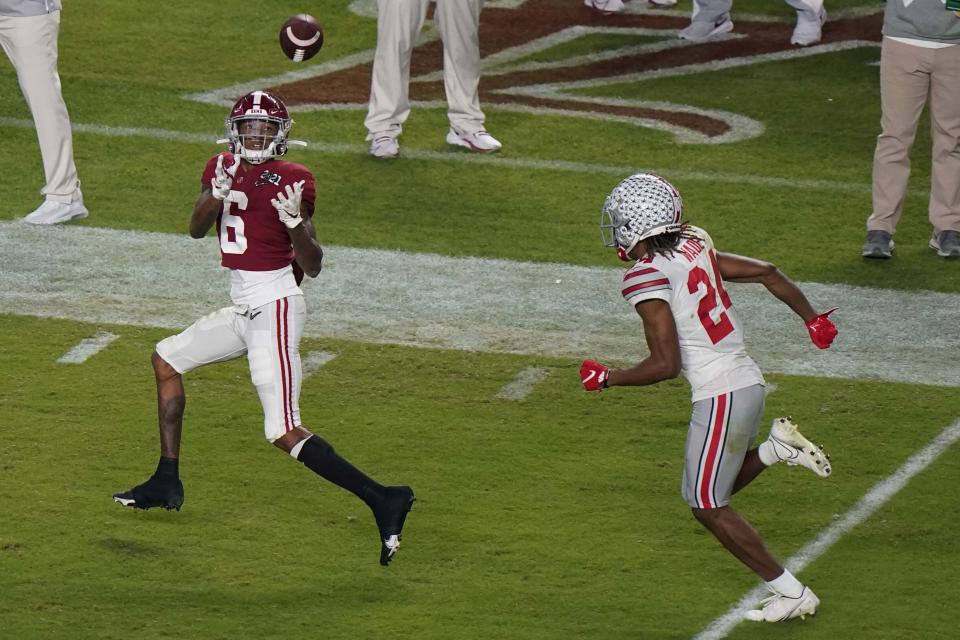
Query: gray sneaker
{"type": "Point", "coordinates": [879, 244]}
{"type": "Point", "coordinates": [946, 243]}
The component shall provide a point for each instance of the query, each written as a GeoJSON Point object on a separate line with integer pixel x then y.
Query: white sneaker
{"type": "Point", "coordinates": [701, 31]}
{"type": "Point", "coordinates": [791, 447]}
{"type": "Point", "coordinates": [809, 27]}
{"type": "Point", "coordinates": [606, 7]}
{"type": "Point", "coordinates": [778, 608]}
{"type": "Point", "coordinates": [661, 4]}
{"type": "Point", "coordinates": [479, 141]}
{"type": "Point", "coordinates": [384, 147]}
{"type": "Point", "coordinates": [51, 212]}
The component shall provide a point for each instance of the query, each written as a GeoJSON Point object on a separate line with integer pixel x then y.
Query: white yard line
{"type": "Point", "coordinates": [314, 360]}
{"type": "Point", "coordinates": [87, 348]}
{"type": "Point", "coordinates": [466, 158]}
{"type": "Point", "coordinates": [474, 304]}
{"type": "Point", "coordinates": [523, 383]}
{"type": "Point", "coordinates": [866, 507]}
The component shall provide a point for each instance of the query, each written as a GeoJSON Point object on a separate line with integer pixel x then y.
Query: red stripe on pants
{"type": "Point", "coordinates": [713, 452]}
{"type": "Point", "coordinates": [281, 322]}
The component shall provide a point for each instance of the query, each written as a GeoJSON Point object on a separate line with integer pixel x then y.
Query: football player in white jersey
{"type": "Point", "coordinates": [676, 286]}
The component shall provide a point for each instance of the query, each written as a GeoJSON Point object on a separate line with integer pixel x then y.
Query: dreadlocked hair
{"type": "Point", "coordinates": [665, 243]}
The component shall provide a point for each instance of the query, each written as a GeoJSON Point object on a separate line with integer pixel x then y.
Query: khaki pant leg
{"type": "Point", "coordinates": [945, 130]}
{"type": "Point", "coordinates": [904, 85]}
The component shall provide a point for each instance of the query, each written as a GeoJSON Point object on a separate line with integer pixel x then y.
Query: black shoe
{"type": "Point", "coordinates": [390, 516]}
{"type": "Point", "coordinates": [155, 492]}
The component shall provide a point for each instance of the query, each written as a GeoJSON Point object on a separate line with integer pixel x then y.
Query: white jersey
{"type": "Point", "coordinates": [713, 358]}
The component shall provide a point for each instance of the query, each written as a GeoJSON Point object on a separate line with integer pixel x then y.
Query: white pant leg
{"type": "Point", "coordinates": [459, 22]}
{"type": "Point", "coordinates": [710, 10]}
{"type": "Point", "coordinates": [806, 5]}
{"type": "Point", "coordinates": [398, 23]}
{"type": "Point", "coordinates": [273, 351]}
{"type": "Point", "coordinates": [31, 45]}
{"type": "Point", "coordinates": [213, 338]}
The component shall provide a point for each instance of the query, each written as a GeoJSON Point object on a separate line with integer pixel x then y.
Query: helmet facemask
{"type": "Point", "coordinates": [258, 138]}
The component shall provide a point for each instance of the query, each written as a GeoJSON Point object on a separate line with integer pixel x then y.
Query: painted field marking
{"type": "Point", "coordinates": [477, 159]}
{"type": "Point", "coordinates": [865, 507]}
{"type": "Point", "coordinates": [87, 348]}
{"type": "Point", "coordinates": [314, 360]}
{"type": "Point", "coordinates": [523, 383]}
{"type": "Point", "coordinates": [470, 304]}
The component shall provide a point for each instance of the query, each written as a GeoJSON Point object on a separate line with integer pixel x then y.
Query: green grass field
{"type": "Point", "coordinates": [554, 516]}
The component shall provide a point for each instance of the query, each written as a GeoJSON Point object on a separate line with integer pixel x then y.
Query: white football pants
{"type": "Point", "coordinates": [31, 44]}
{"type": "Point", "coordinates": [398, 24]}
{"type": "Point", "coordinates": [269, 335]}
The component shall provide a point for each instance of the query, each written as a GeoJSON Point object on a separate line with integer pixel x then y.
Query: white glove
{"type": "Point", "coordinates": [222, 181]}
{"type": "Point", "coordinates": [288, 206]}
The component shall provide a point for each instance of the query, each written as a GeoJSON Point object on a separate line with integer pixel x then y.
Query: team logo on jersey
{"type": "Point", "coordinates": [268, 177]}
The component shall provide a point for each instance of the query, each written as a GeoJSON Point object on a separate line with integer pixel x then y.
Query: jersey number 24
{"type": "Point", "coordinates": [717, 326]}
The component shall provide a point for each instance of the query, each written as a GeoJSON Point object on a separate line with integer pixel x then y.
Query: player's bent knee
{"type": "Point", "coordinates": [162, 368]}
{"type": "Point", "coordinates": [706, 516]}
{"type": "Point", "coordinates": [290, 439]}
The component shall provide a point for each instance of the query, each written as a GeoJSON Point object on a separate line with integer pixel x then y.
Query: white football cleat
{"type": "Point", "coordinates": [791, 447]}
{"type": "Point", "coordinates": [778, 607]}
{"type": "Point", "coordinates": [809, 27]}
{"type": "Point", "coordinates": [478, 141]}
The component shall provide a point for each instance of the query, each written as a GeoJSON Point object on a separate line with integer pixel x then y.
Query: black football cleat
{"type": "Point", "coordinates": [390, 516]}
{"type": "Point", "coordinates": [155, 492]}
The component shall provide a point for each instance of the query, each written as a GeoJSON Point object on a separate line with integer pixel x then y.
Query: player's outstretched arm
{"type": "Point", "coordinates": [742, 269]}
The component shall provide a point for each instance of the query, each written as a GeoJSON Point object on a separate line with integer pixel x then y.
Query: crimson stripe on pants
{"type": "Point", "coordinates": [288, 402]}
{"type": "Point", "coordinates": [281, 322]}
{"type": "Point", "coordinates": [715, 438]}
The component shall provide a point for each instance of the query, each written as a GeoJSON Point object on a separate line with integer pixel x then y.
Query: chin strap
{"type": "Point", "coordinates": [623, 255]}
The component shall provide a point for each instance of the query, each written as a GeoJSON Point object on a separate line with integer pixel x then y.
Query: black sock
{"type": "Point", "coordinates": [168, 468]}
{"type": "Point", "coordinates": [320, 457]}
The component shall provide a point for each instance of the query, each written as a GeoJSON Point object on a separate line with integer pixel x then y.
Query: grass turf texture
{"type": "Point", "coordinates": [555, 517]}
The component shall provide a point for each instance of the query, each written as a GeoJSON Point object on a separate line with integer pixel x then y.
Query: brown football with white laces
{"type": "Point", "coordinates": [301, 37]}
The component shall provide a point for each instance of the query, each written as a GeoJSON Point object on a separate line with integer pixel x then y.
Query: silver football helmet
{"type": "Point", "coordinates": [641, 206]}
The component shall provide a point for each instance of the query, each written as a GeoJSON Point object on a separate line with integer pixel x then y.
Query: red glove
{"type": "Point", "coordinates": [593, 375]}
{"type": "Point", "coordinates": [822, 330]}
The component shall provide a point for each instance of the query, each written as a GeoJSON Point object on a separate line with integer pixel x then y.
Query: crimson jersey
{"type": "Point", "coordinates": [252, 237]}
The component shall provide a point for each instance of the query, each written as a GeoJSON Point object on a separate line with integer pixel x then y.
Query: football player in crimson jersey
{"type": "Point", "coordinates": [676, 287]}
{"type": "Point", "coordinates": [262, 207]}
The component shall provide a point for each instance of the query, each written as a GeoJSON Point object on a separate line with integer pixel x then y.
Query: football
{"type": "Point", "coordinates": [301, 37]}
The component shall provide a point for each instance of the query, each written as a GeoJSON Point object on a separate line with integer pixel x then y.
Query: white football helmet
{"type": "Point", "coordinates": [641, 206]}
